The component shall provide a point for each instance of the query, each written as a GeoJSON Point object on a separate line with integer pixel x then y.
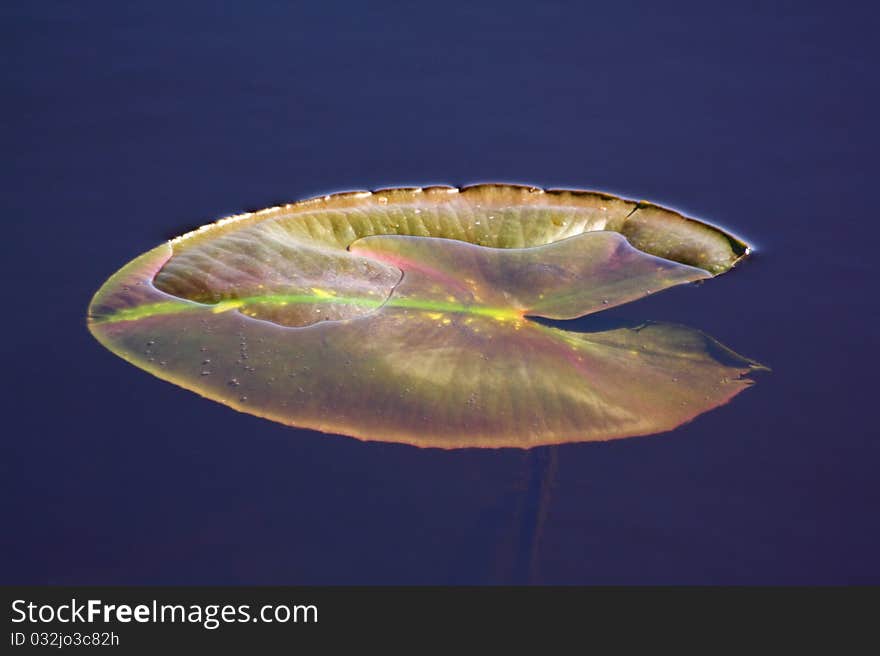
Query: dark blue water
{"type": "Point", "coordinates": [124, 124]}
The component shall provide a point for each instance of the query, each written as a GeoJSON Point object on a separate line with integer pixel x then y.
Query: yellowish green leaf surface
{"type": "Point", "coordinates": [406, 315]}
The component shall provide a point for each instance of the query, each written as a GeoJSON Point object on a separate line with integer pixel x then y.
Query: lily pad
{"type": "Point", "coordinates": [408, 315]}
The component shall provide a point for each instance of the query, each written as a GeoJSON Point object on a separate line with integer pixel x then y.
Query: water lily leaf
{"type": "Point", "coordinates": [407, 315]}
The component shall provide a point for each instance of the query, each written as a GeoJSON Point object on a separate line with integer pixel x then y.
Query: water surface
{"type": "Point", "coordinates": [126, 125]}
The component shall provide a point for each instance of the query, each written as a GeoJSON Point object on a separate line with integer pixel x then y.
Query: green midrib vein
{"type": "Point", "coordinates": [165, 308]}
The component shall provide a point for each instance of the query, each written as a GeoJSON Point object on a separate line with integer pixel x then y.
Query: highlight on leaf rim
{"type": "Point", "coordinates": [742, 248]}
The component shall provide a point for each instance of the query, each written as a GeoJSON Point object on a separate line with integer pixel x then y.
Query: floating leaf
{"type": "Point", "coordinates": [406, 315]}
